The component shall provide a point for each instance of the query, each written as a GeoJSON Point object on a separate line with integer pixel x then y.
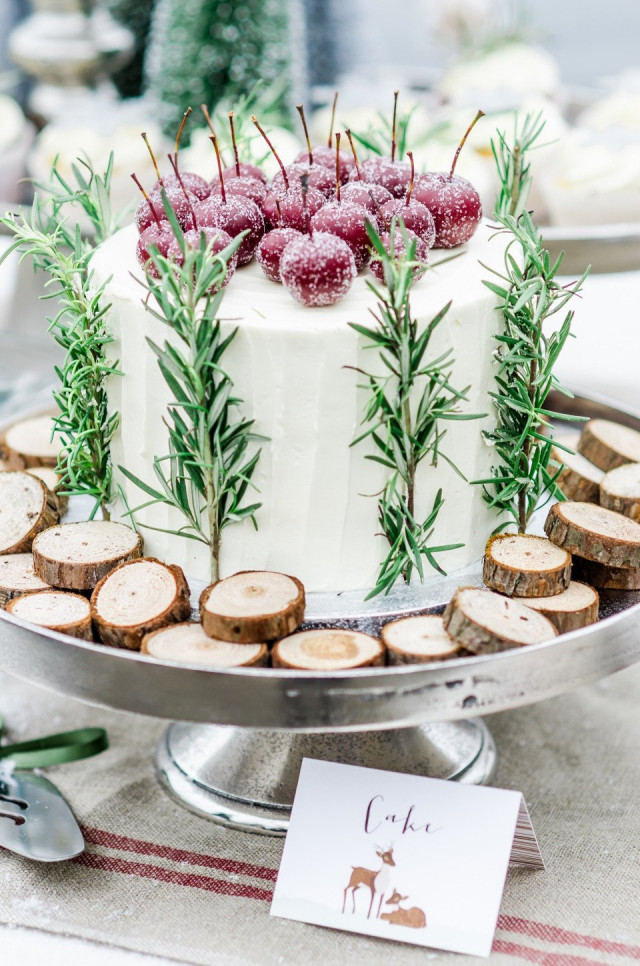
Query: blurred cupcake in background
{"type": "Point", "coordinates": [16, 135]}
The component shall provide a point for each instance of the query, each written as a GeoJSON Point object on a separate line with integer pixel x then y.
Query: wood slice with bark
{"type": "Point", "coordinates": [576, 607]}
{"type": "Point", "coordinates": [57, 610]}
{"type": "Point", "coordinates": [188, 644]}
{"type": "Point", "coordinates": [620, 490]}
{"type": "Point", "coordinates": [523, 565]}
{"type": "Point", "coordinates": [26, 508]}
{"type": "Point", "coordinates": [327, 649]}
{"type": "Point", "coordinates": [595, 533]}
{"type": "Point", "coordinates": [605, 578]}
{"type": "Point", "coordinates": [77, 556]}
{"type": "Point", "coordinates": [17, 577]}
{"type": "Point", "coordinates": [31, 442]}
{"type": "Point", "coordinates": [416, 640]}
{"type": "Point", "coordinates": [53, 482]}
{"type": "Point", "coordinates": [609, 444]}
{"type": "Point", "coordinates": [136, 598]}
{"type": "Point", "coordinates": [580, 479]}
{"type": "Point", "coordinates": [252, 606]}
{"type": "Point", "coordinates": [484, 622]}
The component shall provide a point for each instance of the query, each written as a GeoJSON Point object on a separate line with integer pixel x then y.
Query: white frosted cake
{"type": "Point", "coordinates": [291, 367]}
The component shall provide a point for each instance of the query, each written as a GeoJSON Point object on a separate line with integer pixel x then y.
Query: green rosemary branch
{"type": "Point", "coordinates": [50, 235]}
{"type": "Point", "coordinates": [530, 294]}
{"type": "Point", "coordinates": [208, 469]}
{"type": "Point", "coordinates": [407, 404]}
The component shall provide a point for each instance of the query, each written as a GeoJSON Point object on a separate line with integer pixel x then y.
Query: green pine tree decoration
{"type": "Point", "coordinates": [136, 15]}
{"type": "Point", "coordinates": [201, 51]}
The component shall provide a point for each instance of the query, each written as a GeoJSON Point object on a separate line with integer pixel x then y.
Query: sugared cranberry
{"type": "Point", "coordinates": [348, 222]}
{"type": "Point", "coordinates": [368, 195]}
{"type": "Point", "coordinates": [235, 215]}
{"type": "Point", "coordinates": [178, 202]}
{"type": "Point", "coordinates": [320, 178]}
{"type": "Point", "coordinates": [294, 210]}
{"type": "Point", "coordinates": [326, 157]}
{"type": "Point", "coordinates": [416, 217]}
{"type": "Point", "coordinates": [392, 175]}
{"type": "Point", "coordinates": [397, 248]}
{"type": "Point", "coordinates": [247, 187]}
{"type": "Point", "coordinates": [270, 249]}
{"type": "Point", "coordinates": [317, 269]}
{"type": "Point", "coordinates": [158, 237]}
{"type": "Point", "coordinates": [453, 202]}
{"type": "Point", "coordinates": [246, 171]}
{"type": "Point", "coordinates": [194, 184]}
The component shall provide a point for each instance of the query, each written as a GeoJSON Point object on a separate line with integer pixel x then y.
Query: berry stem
{"type": "Point", "coordinates": [333, 119]}
{"type": "Point", "coordinates": [234, 144]}
{"type": "Point", "coordinates": [393, 125]}
{"type": "Point", "coordinates": [173, 161]}
{"type": "Point", "coordinates": [153, 157]}
{"type": "Point", "coordinates": [355, 155]}
{"type": "Point", "coordinates": [273, 151]}
{"type": "Point", "coordinates": [338, 166]}
{"type": "Point", "coordinates": [279, 210]}
{"type": "Point", "coordinates": [214, 141]}
{"type": "Point", "coordinates": [300, 110]}
{"type": "Point", "coordinates": [179, 134]}
{"type": "Point", "coordinates": [411, 179]}
{"type": "Point", "coordinates": [304, 187]}
{"type": "Point", "coordinates": [147, 199]}
{"type": "Point", "coordinates": [461, 145]}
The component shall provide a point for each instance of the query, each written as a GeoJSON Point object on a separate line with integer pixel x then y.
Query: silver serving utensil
{"type": "Point", "coordinates": [35, 820]}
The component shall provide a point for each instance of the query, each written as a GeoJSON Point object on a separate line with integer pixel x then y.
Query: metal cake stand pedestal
{"type": "Point", "coordinates": [239, 735]}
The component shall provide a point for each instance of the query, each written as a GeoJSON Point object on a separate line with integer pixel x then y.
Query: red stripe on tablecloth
{"type": "Point", "coordinates": [110, 840]}
{"type": "Point", "coordinates": [110, 863]}
{"type": "Point", "coordinates": [541, 930]}
{"type": "Point", "coordinates": [540, 955]}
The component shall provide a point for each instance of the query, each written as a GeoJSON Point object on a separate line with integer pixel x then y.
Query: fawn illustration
{"type": "Point", "coordinates": [376, 880]}
{"type": "Point", "coordinates": [414, 917]}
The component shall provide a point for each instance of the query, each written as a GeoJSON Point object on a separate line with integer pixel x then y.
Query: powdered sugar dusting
{"type": "Point", "coordinates": [454, 204]}
{"type": "Point", "coordinates": [318, 270]}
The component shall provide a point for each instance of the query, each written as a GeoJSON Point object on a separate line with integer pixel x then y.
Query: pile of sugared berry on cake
{"type": "Point", "coordinates": [310, 228]}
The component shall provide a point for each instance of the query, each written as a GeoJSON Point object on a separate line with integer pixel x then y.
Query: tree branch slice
{"type": "Point", "coordinates": [77, 556]}
{"type": "Point", "coordinates": [57, 610]}
{"type": "Point", "coordinates": [26, 508]}
{"type": "Point", "coordinates": [188, 644]}
{"type": "Point", "coordinates": [522, 565]}
{"type": "Point", "coordinates": [417, 640]}
{"type": "Point", "coordinates": [327, 650]}
{"type": "Point", "coordinates": [252, 607]}
{"type": "Point", "coordinates": [595, 533]}
{"type": "Point", "coordinates": [575, 607]}
{"type": "Point", "coordinates": [484, 622]}
{"type": "Point", "coordinates": [609, 444]}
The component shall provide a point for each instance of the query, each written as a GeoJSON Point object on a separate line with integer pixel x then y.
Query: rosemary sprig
{"type": "Point", "coordinates": [50, 235]}
{"type": "Point", "coordinates": [208, 469]}
{"type": "Point", "coordinates": [407, 405]}
{"type": "Point", "coordinates": [530, 294]}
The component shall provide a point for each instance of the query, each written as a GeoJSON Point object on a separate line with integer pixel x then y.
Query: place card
{"type": "Point", "coordinates": [404, 857]}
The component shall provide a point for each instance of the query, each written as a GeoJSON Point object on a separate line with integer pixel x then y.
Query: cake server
{"type": "Point", "coordinates": [35, 820]}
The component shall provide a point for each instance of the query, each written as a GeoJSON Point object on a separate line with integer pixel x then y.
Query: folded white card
{"type": "Point", "coordinates": [400, 856]}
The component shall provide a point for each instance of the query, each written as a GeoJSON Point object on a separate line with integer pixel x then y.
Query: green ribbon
{"type": "Point", "coordinates": [55, 749]}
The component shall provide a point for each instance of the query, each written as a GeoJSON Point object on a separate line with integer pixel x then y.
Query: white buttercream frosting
{"type": "Point", "coordinates": [291, 366]}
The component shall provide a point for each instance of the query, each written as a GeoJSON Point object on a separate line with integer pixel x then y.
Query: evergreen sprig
{"type": "Point", "coordinates": [530, 294]}
{"type": "Point", "coordinates": [209, 466]}
{"type": "Point", "coordinates": [49, 233]}
{"type": "Point", "coordinates": [408, 402]}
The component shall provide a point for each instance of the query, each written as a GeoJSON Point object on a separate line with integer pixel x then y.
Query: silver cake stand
{"type": "Point", "coordinates": [234, 749]}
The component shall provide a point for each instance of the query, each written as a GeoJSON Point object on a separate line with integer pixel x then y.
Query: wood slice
{"type": "Point", "coordinates": [620, 490]}
{"type": "Point", "coordinates": [580, 479]}
{"type": "Point", "coordinates": [26, 508]}
{"type": "Point", "coordinates": [17, 577]}
{"type": "Point", "coordinates": [609, 444]}
{"type": "Point", "coordinates": [252, 606]}
{"type": "Point", "coordinates": [605, 578]}
{"type": "Point", "coordinates": [522, 565]}
{"type": "Point", "coordinates": [595, 533]}
{"type": "Point", "coordinates": [327, 650]}
{"type": "Point", "coordinates": [188, 644]}
{"type": "Point", "coordinates": [415, 640]}
{"type": "Point", "coordinates": [485, 622]}
{"type": "Point", "coordinates": [52, 481]}
{"type": "Point", "coordinates": [575, 607]}
{"type": "Point", "coordinates": [57, 610]}
{"type": "Point", "coordinates": [136, 598]}
{"type": "Point", "coordinates": [30, 443]}
{"type": "Point", "coordinates": [78, 555]}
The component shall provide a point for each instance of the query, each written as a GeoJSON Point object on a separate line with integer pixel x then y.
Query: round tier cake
{"type": "Point", "coordinates": [295, 370]}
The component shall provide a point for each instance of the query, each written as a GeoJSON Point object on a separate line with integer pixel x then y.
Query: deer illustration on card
{"type": "Point", "coordinates": [378, 882]}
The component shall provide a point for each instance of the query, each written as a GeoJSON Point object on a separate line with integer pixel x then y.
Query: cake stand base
{"type": "Point", "coordinates": [246, 779]}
